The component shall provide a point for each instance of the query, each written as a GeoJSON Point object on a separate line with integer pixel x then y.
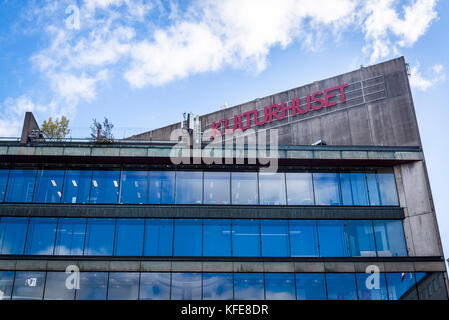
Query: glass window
{"type": "Point", "coordinates": [48, 186]}
{"type": "Point", "coordinates": [327, 188]}
{"type": "Point", "coordinates": [104, 186]}
{"type": "Point", "coordinates": [272, 188]}
{"type": "Point", "coordinates": [332, 240]}
{"type": "Point", "coordinates": [70, 236]}
{"type": "Point", "coordinates": [390, 239]}
{"type": "Point", "coordinates": [3, 181]}
{"type": "Point", "coordinates": [401, 286]}
{"type": "Point", "coordinates": [6, 282]}
{"type": "Point", "coordinates": [162, 187]}
{"type": "Point", "coordinates": [354, 189]}
{"type": "Point", "coordinates": [28, 285]}
{"type": "Point", "coordinates": [341, 286]}
{"type": "Point", "coordinates": [361, 238]}
{"type": "Point", "coordinates": [280, 286]}
{"type": "Point", "coordinates": [373, 189]}
{"type": "Point", "coordinates": [55, 287]}
{"type": "Point", "coordinates": [123, 286]}
{"type": "Point", "coordinates": [310, 286]}
{"type": "Point", "coordinates": [93, 286]}
{"type": "Point", "coordinates": [372, 286]}
{"type": "Point", "coordinates": [158, 237]}
{"type": "Point", "coordinates": [217, 187]}
{"type": "Point", "coordinates": [274, 238]}
{"type": "Point", "coordinates": [154, 286]}
{"type": "Point", "coordinates": [13, 234]}
{"type": "Point", "coordinates": [187, 237]}
{"type": "Point", "coordinates": [299, 188]}
{"type": "Point", "coordinates": [99, 237]}
{"type": "Point", "coordinates": [129, 237]}
{"type": "Point", "coordinates": [20, 186]}
{"type": "Point", "coordinates": [77, 186]}
{"type": "Point", "coordinates": [245, 238]}
{"type": "Point", "coordinates": [431, 285]}
{"type": "Point", "coordinates": [244, 188]}
{"type": "Point", "coordinates": [387, 189]}
{"type": "Point", "coordinates": [218, 286]}
{"type": "Point", "coordinates": [186, 286]}
{"type": "Point", "coordinates": [248, 286]}
{"type": "Point", "coordinates": [189, 187]}
{"type": "Point", "coordinates": [41, 236]}
{"type": "Point", "coordinates": [303, 238]}
{"type": "Point", "coordinates": [217, 237]}
{"type": "Point", "coordinates": [134, 187]}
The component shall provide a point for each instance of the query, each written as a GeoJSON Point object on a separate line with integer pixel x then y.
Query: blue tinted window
{"type": "Point", "coordinates": [390, 239]}
{"type": "Point", "coordinates": [303, 238]}
{"type": "Point", "coordinates": [70, 236]}
{"type": "Point", "coordinates": [154, 286]}
{"type": "Point", "coordinates": [189, 187]}
{"type": "Point", "coordinates": [28, 285]}
{"type": "Point", "coordinates": [55, 287]}
{"type": "Point", "coordinates": [158, 237]}
{"type": "Point", "coordinates": [187, 237]}
{"type": "Point", "coordinates": [48, 186]}
{"type": "Point", "coordinates": [371, 286]}
{"type": "Point", "coordinates": [3, 181]}
{"type": "Point", "coordinates": [387, 189]}
{"type": "Point", "coordinates": [272, 188]}
{"type": "Point", "coordinates": [360, 238]}
{"type": "Point", "coordinates": [77, 186]}
{"type": "Point", "coordinates": [123, 286]}
{"type": "Point", "coordinates": [13, 234]}
{"type": "Point", "coordinates": [162, 187]}
{"type": "Point", "coordinates": [245, 238]}
{"type": "Point", "coordinates": [217, 187]}
{"type": "Point", "coordinates": [248, 286]}
{"type": "Point", "coordinates": [354, 189]}
{"type": "Point", "coordinates": [217, 237]}
{"type": "Point", "coordinates": [134, 187]}
{"type": "Point", "coordinates": [327, 188]}
{"type": "Point", "coordinates": [401, 286]}
{"type": "Point", "coordinates": [99, 237]}
{"type": "Point", "coordinates": [299, 188]}
{"type": "Point", "coordinates": [373, 189]}
{"type": "Point", "coordinates": [93, 286]}
{"type": "Point", "coordinates": [20, 186]}
{"type": "Point", "coordinates": [332, 238]}
{"type": "Point", "coordinates": [41, 236]}
{"type": "Point", "coordinates": [280, 286]}
{"type": "Point", "coordinates": [275, 238]}
{"type": "Point", "coordinates": [104, 186]}
{"type": "Point", "coordinates": [310, 286]}
{"type": "Point", "coordinates": [6, 282]}
{"type": "Point", "coordinates": [129, 237]}
{"type": "Point", "coordinates": [244, 188]}
{"type": "Point", "coordinates": [218, 286]}
{"type": "Point", "coordinates": [186, 286]}
{"type": "Point", "coordinates": [341, 286]}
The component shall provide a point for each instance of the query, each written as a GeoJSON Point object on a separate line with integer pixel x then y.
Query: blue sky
{"type": "Point", "coordinates": [143, 63]}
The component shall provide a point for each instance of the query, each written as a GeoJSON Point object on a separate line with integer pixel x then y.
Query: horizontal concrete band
{"type": "Point", "coordinates": [200, 211]}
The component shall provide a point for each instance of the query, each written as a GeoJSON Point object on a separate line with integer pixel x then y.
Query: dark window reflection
{"type": "Point", "coordinates": [105, 186]}
{"type": "Point", "coordinates": [77, 186]}
{"type": "Point", "coordinates": [189, 187]}
{"type": "Point", "coordinates": [217, 187]}
{"type": "Point", "coordinates": [244, 188]}
{"type": "Point", "coordinates": [55, 287]}
{"type": "Point", "coordinates": [99, 237]}
{"type": "Point", "coordinates": [49, 186]}
{"type": "Point", "coordinates": [21, 186]}
{"type": "Point", "coordinates": [28, 285]}
{"type": "Point", "coordinates": [158, 237]}
{"type": "Point", "coordinates": [303, 238]}
{"type": "Point", "coordinates": [12, 234]}
{"type": "Point", "coordinates": [372, 286]}
{"type": "Point", "coordinates": [3, 181]}
{"type": "Point", "coordinates": [299, 188]}
{"type": "Point", "coordinates": [249, 286]}
{"type": "Point", "coordinates": [245, 238]}
{"type": "Point", "coordinates": [129, 237]}
{"type": "Point", "coordinates": [327, 188]}
{"type": "Point", "coordinates": [70, 236]}
{"type": "Point", "coordinates": [154, 286]}
{"type": "Point", "coordinates": [361, 238]}
{"type": "Point", "coordinates": [134, 187]}
{"type": "Point", "coordinates": [280, 286]}
{"type": "Point", "coordinates": [275, 242]}
{"type": "Point", "coordinates": [93, 286]}
{"type": "Point", "coordinates": [41, 236]}
{"type": "Point", "coordinates": [341, 286]}
{"type": "Point", "coordinates": [272, 188]}
{"type": "Point", "coordinates": [332, 239]}
{"type": "Point", "coordinates": [310, 286]}
{"type": "Point", "coordinates": [123, 286]}
{"type": "Point", "coordinates": [217, 237]}
{"type": "Point", "coordinates": [186, 286]}
{"type": "Point", "coordinates": [6, 283]}
{"type": "Point", "coordinates": [187, 237]}
{"type": "Point", "coordinates": [162, 187]}
{"type": "Point", "coordinates": [354, 189]}
{"type": "Point", "coordinates": [218, 286]}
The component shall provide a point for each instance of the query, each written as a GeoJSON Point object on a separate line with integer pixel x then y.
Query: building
{"type": "Point", "coordinates": [348, 214]}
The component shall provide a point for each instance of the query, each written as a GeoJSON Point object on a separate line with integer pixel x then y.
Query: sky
{"type": "Point", "coordinates": [142, 63]}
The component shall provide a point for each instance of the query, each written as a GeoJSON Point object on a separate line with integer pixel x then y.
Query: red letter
{"type": "Point", "coordinates": [271, 113]}
{"type": "Point", "coordinates": [256, 117]}
{"type": "Point", "coordinates": [297, 102]}
{"type": "Point", "coordinates": [327, 96]}
{"type": "Point", "coordinates": [216, 126]}
{"type": "Point", "coordinates": [342, 92]}
{"type": "Point", "coordinates": [284, 109]}
{"type": "Point", "coordinates": [314, 99]}
{"type": "Point", "coordinates": [248, 119]}
{"type": "Point", "coordinates": [237, 124]}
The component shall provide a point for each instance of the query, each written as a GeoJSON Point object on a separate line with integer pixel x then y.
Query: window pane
{"type": "Point", "coordinates": [93, 286]}
{"type": "Point", "coordinates": [129, 237]}
{"type": "Point", "coordinates": [244, 188]}
{"type": "Point", "coordinates": [354, 189]}
{"type": "Point", "coordinates": [218, 286]}
{"type": "Point", "coordinates": [372, 286]}
{"type": "Point", "coordinates": [332, 238]}
{"type": "Point", "coordinates": [55, 287]}
{"type": "Point", "coordinates": [48, 186]}
{"type": "Point", "coordinates": [187, 237]}
{"type": "Point", "coordinates": [431, 286]}
{"type": "Point", "coordinates": [6, 282]}
{"type": "Point", "coordinates": [299, 188]}
{"type": "Point", "coordinates": [387, 189]}
{"type": "Point", "coordinates": [280, 286]}
{"type": "Point", "coordinates": [104, 186]}
{"type": "Point", "coordinates": [327, 188]}
{"type": "Point", "coordinates": [162, 187]}
{"type": "Point", "coordinates": [189, 187]}
{"type": "Point", "coordinates": [20, 186]}
{"type": "Point", "coordinates": [134, 187]}
{"type": "Point", "coordinates": [303, 238]}
{"type": "Point", "coordinates": [186, 286]}
{"type": "Point", "coordinates": [245, 238]}
{"type": "Point", "coordinates": [275, 238]}
{"type": "Point", "coordinates": [154, 286]}
{"type": "Point", "coordinates": [390, 239]}
{"type": "Point", "coordinates": [248, 286]}
{"type": "Point", "coordinates": [28, 285]}
{"type": "Point", "coordinates": [361, 238]}
{"type": "Point", "coordinates": [373, 189]}
{"type": "Point", "coordinates": [401, 286]}
{"type": "Point", "coordinates": [341, 286]}
{"type": "Point", "coordinates": [99, 237]}
{"type": "Point", "coordinates": [3, 182]}
{"type": "Point", "coordinates": [217, 237]}
{"type": "Point", "coordinates": [70, 236]}
{"type": "Point", "coordinates": [310, 286]}
{"type": "Point", "coordinates": [217, 187]}
{"type": "Point", "coordinates": [77, 186]}
{"type": "Point", "coordinates": [41, 236]}
{"type": "Point", "coordinates": [12, 235]}
{"type": "Point", "coordinates": [123, 286]}
{"type": "Point", "coordinates": [272, 188]}
{"type": "Point", "coordinates": [158, 237]}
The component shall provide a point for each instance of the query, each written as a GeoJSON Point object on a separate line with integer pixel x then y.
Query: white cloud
{"type": "Point", "coordinates": [422, 83]}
